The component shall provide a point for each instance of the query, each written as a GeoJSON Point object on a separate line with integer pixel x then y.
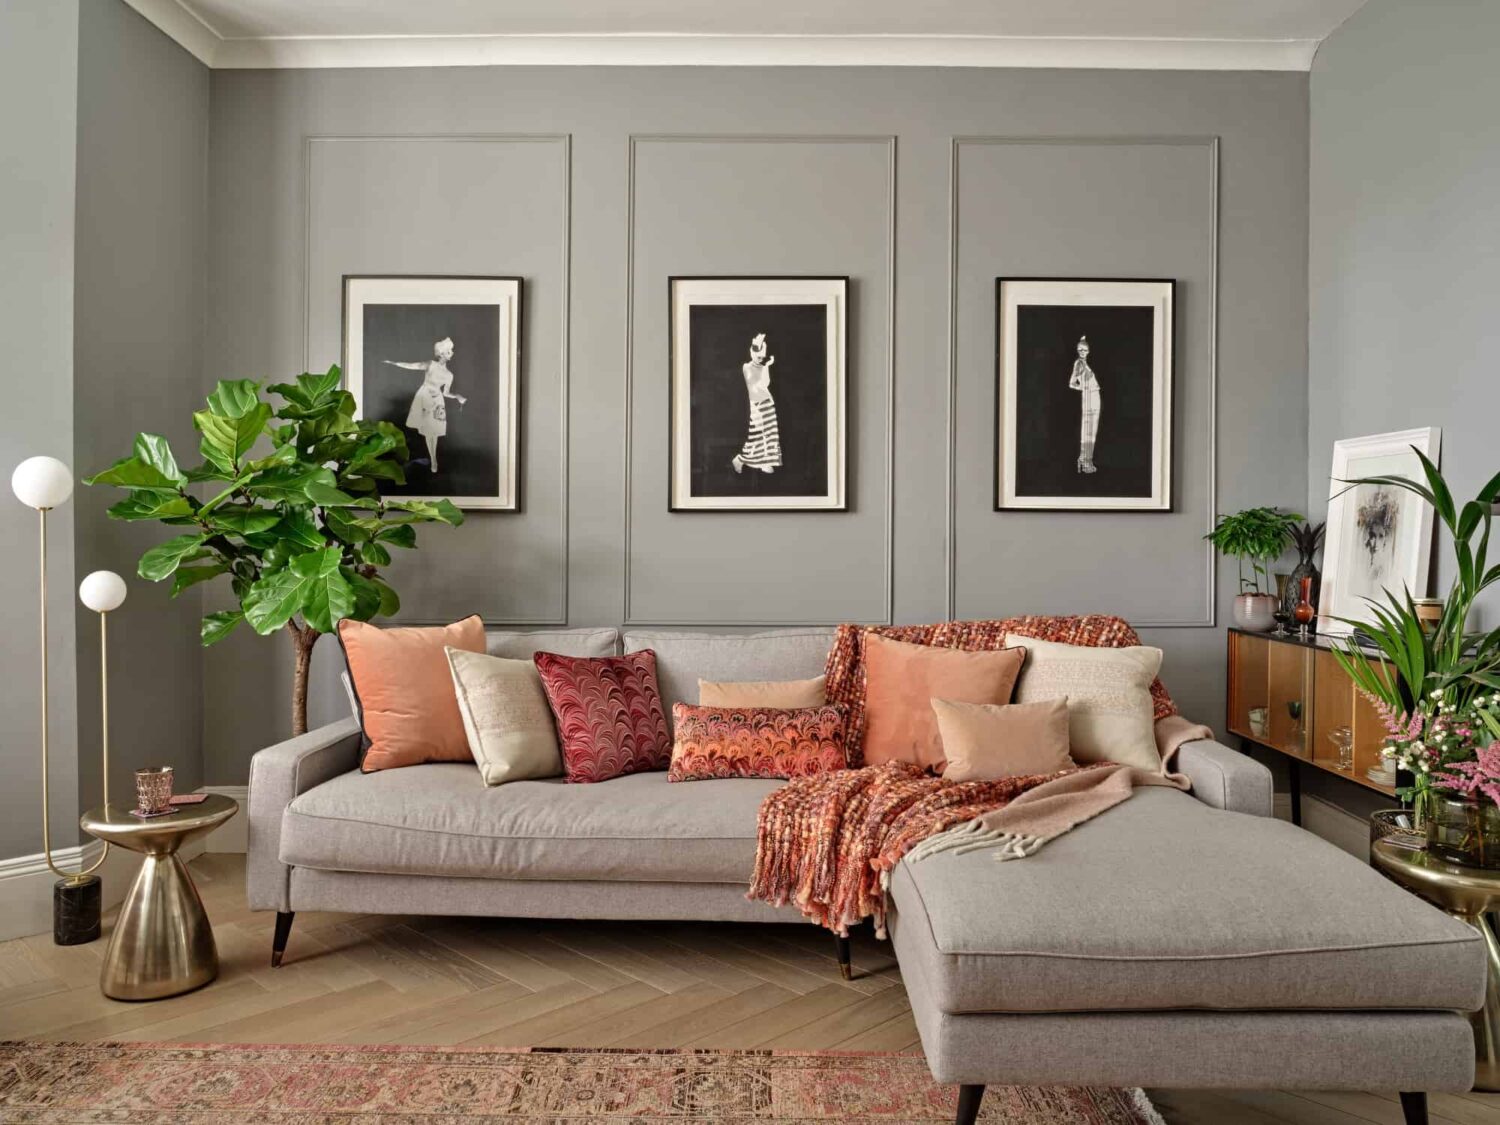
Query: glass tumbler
{"type": "Point", "coordinates": [153, 789]}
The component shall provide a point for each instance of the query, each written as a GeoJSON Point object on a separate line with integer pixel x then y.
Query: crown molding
{"type": "Point", "coordinates": [179, 22]}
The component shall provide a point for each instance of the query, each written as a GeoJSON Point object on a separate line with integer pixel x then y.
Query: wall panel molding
{"type": "Point", "coordinates": [1208, 618]}
{"type": "Point", "coordinates": [565, 142]}
{"type": "Point", "coordinates": [628, 618]}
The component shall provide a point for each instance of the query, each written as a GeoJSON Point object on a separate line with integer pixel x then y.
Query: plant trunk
{"type": "Point", "coordinates": [303, 639]}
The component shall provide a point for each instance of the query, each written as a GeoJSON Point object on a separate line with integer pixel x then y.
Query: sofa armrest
{"type": "Point", "coordinates": [1225, 779]}
{"type": "Point", "coordinates": [277, 775]}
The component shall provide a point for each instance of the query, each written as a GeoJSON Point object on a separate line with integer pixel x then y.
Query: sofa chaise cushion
{"type": "Point", "coordinates": [444, 820]}
{"type": "Point", "coordinates": [1164, 903]}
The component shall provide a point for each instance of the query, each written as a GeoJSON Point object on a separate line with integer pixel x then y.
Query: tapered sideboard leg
{"type": "Point", "coordinates": [846, 961]}
{"type": "Point", "coordinates": [969, 1098]}
{"type": "Point", "coordinates": [283, 931]}
{"type": "Point", "coordinates": [1414, 1106]}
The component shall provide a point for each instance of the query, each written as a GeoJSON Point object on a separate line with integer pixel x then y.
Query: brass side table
{"type": "Point", "coordinates": [1467, 893]}
{"type": "Point", "coordinates": [162, 943]}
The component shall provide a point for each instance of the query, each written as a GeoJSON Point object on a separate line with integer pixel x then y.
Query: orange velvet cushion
{"type": "Point", "coordinates": [404, 688]}
{"type": "Point", "coordinates": [902, 680]}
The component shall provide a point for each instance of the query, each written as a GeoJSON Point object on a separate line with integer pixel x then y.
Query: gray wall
{"type": "Point", "coordinates": [597, 184]}
{"type": "Point", "coordinates": [141, 254]}
{"type": "Point", "coordinates": [38, 116]}
{"type": "Point", "coordinates": [1405, 219]}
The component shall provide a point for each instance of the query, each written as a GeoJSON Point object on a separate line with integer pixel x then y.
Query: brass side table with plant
{"type": "Point", "coordinates": [1467, 893]}
{"type": "Point", "coordinates": [162, 944]}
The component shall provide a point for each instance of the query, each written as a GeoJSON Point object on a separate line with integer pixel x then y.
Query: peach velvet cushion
{"type": "Point", "coordinates": [402, 681]}
{"type": "Point", "coordinates": [792, 695]}
{"type": "Point", "coordinates": [902, 680]}
{"type": "Point", "coordinates": [985, 741]}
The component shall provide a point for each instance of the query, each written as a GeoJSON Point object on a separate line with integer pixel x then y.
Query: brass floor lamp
{"type": "Point", "coordinates": [44, 483]}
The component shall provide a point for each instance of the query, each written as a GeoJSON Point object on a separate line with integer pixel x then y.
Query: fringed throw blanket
{"type": "Point", "coordinates": [827, 843]}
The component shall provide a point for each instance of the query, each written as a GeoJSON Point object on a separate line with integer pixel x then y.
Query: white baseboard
{"type": "Point", "coordinates": [233, 834]}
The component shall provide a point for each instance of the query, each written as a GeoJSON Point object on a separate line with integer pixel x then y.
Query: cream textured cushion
{"type": "Point", "coordinates": [1110, 715]}
{"type": "Point", "coordinates": [988, 741]}
{"type": "Point", "coordinates": [505, 716]}
{"type": "Point", "coordinates": [794, 695]}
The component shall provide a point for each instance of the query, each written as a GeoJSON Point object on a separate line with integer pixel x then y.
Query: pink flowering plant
{"type": "Point", "coordinates": [1442, 743]}
{"type": "Point", "coordinates": [1478, 773]}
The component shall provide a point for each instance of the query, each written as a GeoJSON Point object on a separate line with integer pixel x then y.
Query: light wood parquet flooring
{"type": "Point", "coordinates": [372, 979]}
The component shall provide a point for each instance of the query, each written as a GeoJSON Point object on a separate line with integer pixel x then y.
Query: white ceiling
{"type": "Point", "coordinates": [1176, 34]}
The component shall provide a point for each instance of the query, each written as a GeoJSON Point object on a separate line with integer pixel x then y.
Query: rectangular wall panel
{"type": "Point", "coordinates": [486, 206]}
{"type": "Point", "coordinates": [780, 206]}
{"type": "Point", "coordinates": [1083, 209]}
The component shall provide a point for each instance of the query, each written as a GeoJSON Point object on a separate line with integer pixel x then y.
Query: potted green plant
{"type": "Point", "coordinates": [1434, 687]}
{"type": "Point", "coordinates": [1256, 536]}
{"type": "Point", "coordinates": [293, 512]}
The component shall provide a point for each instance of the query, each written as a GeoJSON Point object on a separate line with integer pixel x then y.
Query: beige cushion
{"type": "Point", "coordinates": [505, 716]}
{"type": "Point", "coordinates": [1110, 716]}
{"type": "Point", "coordinates": [785, 694]}
{"type": "Point", "coordinates": [986, 741]}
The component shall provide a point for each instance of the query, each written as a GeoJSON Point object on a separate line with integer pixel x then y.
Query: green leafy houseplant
{"type": "Point", "coordinates": [1416, 676]}
{"type": "Point", "coordinates": [301, 531]}
{"type": "Point", "coordinates": [1257, 536]}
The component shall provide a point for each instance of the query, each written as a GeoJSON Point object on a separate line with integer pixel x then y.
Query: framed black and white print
{"type": "Point", "coordinates": [1083, 418]}
{"type": "Point", "coordinates": [441, 358]}
{"type": "Point", "coordinates": [758, 394]}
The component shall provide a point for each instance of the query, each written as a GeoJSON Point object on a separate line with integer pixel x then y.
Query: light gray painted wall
{"type": "Point", "coordinates": [141, 258]}
{"type": "Point", "coordinates": [1405, 220]}
{"type": "Point", "coordinates": [38, 119]}
{"type": "Point", "coordinates": [797, 170]}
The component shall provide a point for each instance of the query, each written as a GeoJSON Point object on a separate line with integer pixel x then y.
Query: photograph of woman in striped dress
{"type": "Point", "coordinates": [1084, 380]}
{"type": "Point", "coordinates": [762, 448]}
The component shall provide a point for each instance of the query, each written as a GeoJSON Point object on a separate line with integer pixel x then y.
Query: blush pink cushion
{"type": "Point", "coordinates": [609, 715]}
{"type": "Point", "coordinates": [987, 741]}
{"type": "Point", "coordinates": [902, 680]}
{"type": "Point", "coordinates": [407, 707]}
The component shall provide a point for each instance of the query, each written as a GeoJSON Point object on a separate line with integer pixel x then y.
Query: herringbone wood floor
{"type": "Point", "coordinates": [410, 980]}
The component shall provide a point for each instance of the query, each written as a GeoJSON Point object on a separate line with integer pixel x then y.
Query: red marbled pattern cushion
{"type": "Point", "coordinates": [609, 716]}
{"type": "Point", "coordinates": [717, 742]}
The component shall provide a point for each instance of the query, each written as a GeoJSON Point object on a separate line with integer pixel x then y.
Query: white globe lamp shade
{"type": "Point", "coordinates": [102, 591]}
{"type": "Point", "coordinates": [41, 482]}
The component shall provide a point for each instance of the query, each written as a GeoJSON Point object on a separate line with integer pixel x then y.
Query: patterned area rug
{"type": "Point", "coordinates": [201, 1084]}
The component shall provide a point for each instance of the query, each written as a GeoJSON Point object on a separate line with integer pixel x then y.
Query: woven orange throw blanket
{"type": "Point", "coordinates": [826, 842]}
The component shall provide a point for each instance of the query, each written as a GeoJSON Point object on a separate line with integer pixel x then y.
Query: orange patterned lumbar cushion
{"type": "Point", "coordinates": [715, 742]}
{"type": "Point", "coordinates": [846, 672]}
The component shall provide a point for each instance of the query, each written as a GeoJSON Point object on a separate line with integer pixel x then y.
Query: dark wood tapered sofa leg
{"type": "Point", "coordinates": [283, 931]}
{"type": "Point", "coordinates": [846, 961]}
{"type": "Point", "coordinates": [969, 1098]}
{"type": "Point", "coordinates": [1414, 1107]}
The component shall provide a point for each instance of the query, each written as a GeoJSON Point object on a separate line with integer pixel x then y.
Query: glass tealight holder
{"type": "Point", "coordinates": [153, 790]}
{"type": "Point", "coordinates": [1343, 738]}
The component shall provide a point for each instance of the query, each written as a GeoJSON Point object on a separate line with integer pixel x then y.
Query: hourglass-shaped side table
{"type": "Point", "coordinates": [162, 943]}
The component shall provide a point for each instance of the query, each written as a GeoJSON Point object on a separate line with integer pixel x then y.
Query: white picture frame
{"type": "Point", "coordinates": [785, 450]}
{"type": "Point", "coordinates": [1377, 539]}
{"type": "Point", "coordinates": [462, 412]}
{"type": "Point", "coordinates": [1080, 439]}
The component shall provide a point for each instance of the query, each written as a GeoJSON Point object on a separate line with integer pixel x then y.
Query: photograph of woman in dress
{"type": "Point", "coordinates": [1085, 381]}
{"type": "Point", "coordinates": [429, 408]}
{"type": "Point", "coordinates": [762, 448]}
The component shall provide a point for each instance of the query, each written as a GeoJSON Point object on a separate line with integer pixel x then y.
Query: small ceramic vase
{"type": "Point", "coordinates": [1255, 613]}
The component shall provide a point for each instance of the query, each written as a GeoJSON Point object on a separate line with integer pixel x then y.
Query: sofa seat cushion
{"type": "Point", "coordinates": [1163, 902]}
{"type": "Point", "coordinates": [443, 820]}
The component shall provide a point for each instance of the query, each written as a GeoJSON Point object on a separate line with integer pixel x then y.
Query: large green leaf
{"type": "Point", "coordinates": [189, 576]}
{"type": "Point", "coordinates": [298, 484]}
{"type": "Point", "coordinates": [310, 585]}
{"type": "Point", "coordinates": [217, 626]}
{"type": "Point", "coordinates": [297, 527]}
{"type": "Point", "coordinates": [399, 535]}
{"type": "Point", "coordinates": [154, 450]}
{"type": "Point", "coordinates": [424, 511]}
{"type": "Point", "coordinates": [132, 472]}
{"type": "Point", "coordinates": [240, 520]}
{"type": "Point", "coordinates": [234, 398]}
{"type": "Point", "coordinates": [164, 558]}
{"type": "Point", "coordinates": [310, 394]}
{"type": "Point", "coordinates": [227, 439]}
{"type": "Point", "coordinates": [142, 505]}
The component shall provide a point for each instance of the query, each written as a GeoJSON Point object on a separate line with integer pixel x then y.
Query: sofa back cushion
{"type": "Point", "coordinates": [523, 645]}
{"type": "Point", "coordinates": [682, 659]}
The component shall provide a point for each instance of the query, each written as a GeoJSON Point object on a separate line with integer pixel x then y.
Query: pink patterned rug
{"type": "Point", "coordinates": [203, 1084]}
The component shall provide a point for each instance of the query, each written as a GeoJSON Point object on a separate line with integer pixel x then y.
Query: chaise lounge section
{"type": "Point", "coordinates": [1178, 941]}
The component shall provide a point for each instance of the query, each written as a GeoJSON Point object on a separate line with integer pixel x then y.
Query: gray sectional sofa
{"type": "Point", "coordinates": [1179, 940]}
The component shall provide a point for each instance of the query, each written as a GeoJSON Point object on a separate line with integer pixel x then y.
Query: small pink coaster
{"type": "Point", "coordinates": [189, 798]}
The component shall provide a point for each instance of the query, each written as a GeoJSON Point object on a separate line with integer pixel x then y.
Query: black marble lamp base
{"type": "Point", "coordinates": [76, 909]}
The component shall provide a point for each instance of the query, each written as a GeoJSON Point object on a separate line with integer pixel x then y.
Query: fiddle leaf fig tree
{"type": "Point", "coordinates": [288, 506]}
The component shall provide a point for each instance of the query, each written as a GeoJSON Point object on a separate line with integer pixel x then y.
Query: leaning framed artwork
{"type": "Point", "coordinates": [758, 395]}
{"type": "Point", "coordinates": [1379, 538]}
{"type": "Point", "coordinates": [1083, 402]}
{"type": "Point", "coordinates": [440, 357]}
